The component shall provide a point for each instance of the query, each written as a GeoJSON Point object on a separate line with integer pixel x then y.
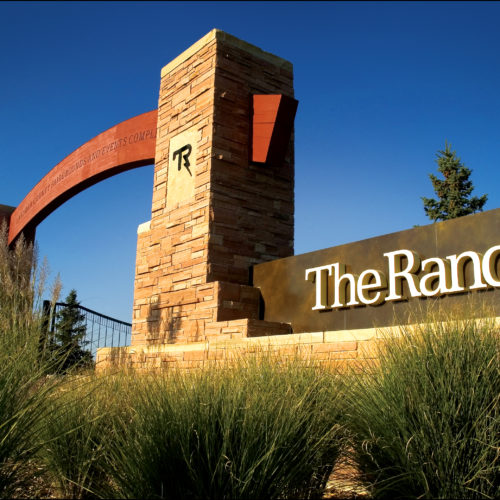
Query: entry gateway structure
{"type": "Point", "coordinates": [222, 202]}
{"type": "Point", "coordinates": [222, 222]}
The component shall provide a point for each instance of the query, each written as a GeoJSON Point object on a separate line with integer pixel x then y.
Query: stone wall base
{"type": "Point", "coordinates": [342, 349]}
{"type": "Point", "coordinates": [242, 337]}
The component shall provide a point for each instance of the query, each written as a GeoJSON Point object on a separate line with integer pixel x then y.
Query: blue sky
{"type": "Point", "coordinates": [381, 86]}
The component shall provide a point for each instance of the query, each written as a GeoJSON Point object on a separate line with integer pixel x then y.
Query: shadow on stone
{"type": "Point", "coordinates": [163, 329]}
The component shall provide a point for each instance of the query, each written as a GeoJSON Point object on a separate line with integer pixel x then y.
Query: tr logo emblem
{"type": "Point", "coordinates": [183, 153]}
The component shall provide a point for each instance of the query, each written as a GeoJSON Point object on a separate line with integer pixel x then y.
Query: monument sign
{"type": "Point", "coordinates": [386, 280]}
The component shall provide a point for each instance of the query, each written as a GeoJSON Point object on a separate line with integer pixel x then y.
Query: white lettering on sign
{"type": "Point", "coordinates": [320, 276]}
{"type": "Point", "coordinates": [488, 266]}
{"type": "Point", "coordinates": [372, 287]}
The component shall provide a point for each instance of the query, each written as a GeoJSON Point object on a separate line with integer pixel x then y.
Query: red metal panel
{"type": "Point", "coordinates": [272, 126]}
{"type": "Point", "coordinates": [128, 145]}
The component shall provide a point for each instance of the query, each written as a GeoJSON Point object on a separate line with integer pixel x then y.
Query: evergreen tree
{"type": "Point", "coordinates": [69, 335]}
{"type": "Point", "coordinates": [454, 192]}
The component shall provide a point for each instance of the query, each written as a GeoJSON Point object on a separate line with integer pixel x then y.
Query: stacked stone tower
{"type": "Point", "coordinates": [219, 206]}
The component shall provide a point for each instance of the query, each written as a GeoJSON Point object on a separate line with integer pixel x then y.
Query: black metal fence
{"type": "Point", "coordinates": [100, 330]}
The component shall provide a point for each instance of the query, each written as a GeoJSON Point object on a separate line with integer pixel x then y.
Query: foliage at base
{"type": "Point", "coordinates": [425, 419]}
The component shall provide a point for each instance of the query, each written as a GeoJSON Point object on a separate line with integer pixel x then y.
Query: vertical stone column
{"type": "Point", "coordinates": [5, 213]}
{"type": "Point", "coordinates": [214, 212]}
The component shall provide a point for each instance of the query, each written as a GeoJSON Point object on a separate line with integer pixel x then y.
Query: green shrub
{"type": "Point", "coordinates": [257, 429]}
{"type": "Point", "coordinates": [425, 418]}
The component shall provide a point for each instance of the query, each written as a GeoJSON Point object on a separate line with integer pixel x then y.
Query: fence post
{"type": "Point", "coordinates": [44, 333]}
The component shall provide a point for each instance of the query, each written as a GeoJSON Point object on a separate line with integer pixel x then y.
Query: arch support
{"type": "Point", "coordinates": [129, 144]}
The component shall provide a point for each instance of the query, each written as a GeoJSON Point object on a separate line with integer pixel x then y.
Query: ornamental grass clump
{"type": "Point", "coordinates": [256, 429]}
{"type": "Point", "coordinates": [24, 387]}
{"type": "Point", "coordinates": [425, 418]}
{"type": "Point", "coordinates": [77, 433]}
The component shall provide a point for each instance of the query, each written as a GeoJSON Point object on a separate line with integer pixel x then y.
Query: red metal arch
{"type": "Point", "coordinates": [128, 145]}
